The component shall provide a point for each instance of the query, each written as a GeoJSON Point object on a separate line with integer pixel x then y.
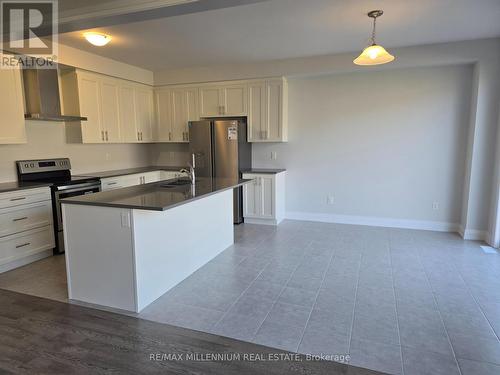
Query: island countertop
{"type": "Point", "coordinates": [157, 196]}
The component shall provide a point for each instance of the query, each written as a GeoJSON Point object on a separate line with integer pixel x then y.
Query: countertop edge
{"type": "Point", "coordinates": [263, 171]}
{"type": "Point", "coordinates": [19, 188]}
{"type": "Point", "coordinates": [150, 208]}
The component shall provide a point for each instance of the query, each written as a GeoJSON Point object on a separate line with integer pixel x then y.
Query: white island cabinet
{"type": "Point", "coordinates": [126, 255]}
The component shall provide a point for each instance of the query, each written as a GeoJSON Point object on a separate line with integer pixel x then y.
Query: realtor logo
{"type": "Point", "coordinates": [29, 32]}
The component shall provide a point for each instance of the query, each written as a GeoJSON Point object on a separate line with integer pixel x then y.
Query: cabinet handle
{"type": "Point", "coordinates": [111, 183]}
{"type": "Point", "coordinates": [23, 245]}
{"type": "Point", "coordinates": [17, 199]}
{"type": "Point", "coordinates": [169, 136]}
{"type": "Point", "coordinates": [138, 137]}
{"type": "Point", "coordinates": [141, 136]}
{"type": "Point", "coordinates": [20, 218]}
{"type": "Point", "coordinates": [102, 135]}
{"type": "Point", "coordinates": [107, 136]}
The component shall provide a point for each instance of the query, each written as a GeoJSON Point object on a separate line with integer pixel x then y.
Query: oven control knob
{"type": "Point", "coordinates": [32, 165]}
{"type": "Point", "coordinates": [26, 165]}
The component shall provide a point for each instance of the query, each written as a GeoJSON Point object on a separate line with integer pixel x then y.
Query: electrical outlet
{"type": "Point", "coordinates": [125, 219]}
{"type": "Point", "coordinates": [274, 156]}
{"type": "Point", "coordinates": [435, 205]}
{"type": "Point", "coordinates": [330, 199]}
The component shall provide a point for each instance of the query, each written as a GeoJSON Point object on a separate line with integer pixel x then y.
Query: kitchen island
{"type": "Point", "coordinates": [127, 247]}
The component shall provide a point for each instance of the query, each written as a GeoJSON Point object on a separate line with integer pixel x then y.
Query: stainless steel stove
{"type": "Point", "coordinates": [57, 172]}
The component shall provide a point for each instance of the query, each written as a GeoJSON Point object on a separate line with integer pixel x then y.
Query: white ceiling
{"type": "Point", "coordinates": [291, 28]}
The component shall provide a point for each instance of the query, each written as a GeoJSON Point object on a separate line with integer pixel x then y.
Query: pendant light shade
{"type": "Point", "coordinates": [374, 54]}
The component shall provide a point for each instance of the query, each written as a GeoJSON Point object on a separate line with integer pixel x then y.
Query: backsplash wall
{"type": "Point", "coordinates": [48, 140]}
{"type": "Point", "coordinates": [169, 154]}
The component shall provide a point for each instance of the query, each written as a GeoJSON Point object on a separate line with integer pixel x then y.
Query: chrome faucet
{"type": "Point", "coordinates": [190, 172]}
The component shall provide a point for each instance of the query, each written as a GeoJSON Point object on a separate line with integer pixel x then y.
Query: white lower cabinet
{"type": "Point", "coordinates": [119, 182]}
{"type": "Point", "coordinates": [264, 198]}
{"type": "Point", "coordinates": [26, 227]}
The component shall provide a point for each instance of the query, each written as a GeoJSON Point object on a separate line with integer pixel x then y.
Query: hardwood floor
{"type": "Point", "coordinates": [42, 336]}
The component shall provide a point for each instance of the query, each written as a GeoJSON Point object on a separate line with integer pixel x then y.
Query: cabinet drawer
{"type": "Point", "coordinates": [20, 197]}
{"type": "Point", "coordinates": [25, 244]}
{"type": "Point", "coordinates": [25, 217]}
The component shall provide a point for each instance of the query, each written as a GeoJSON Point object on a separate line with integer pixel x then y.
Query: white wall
{"type": "Point", "coordinates": [385, 144]}
{"type": "Point", "coordinates": [48, 140]}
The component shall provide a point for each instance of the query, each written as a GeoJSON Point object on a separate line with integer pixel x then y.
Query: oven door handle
{"type": "Point", "coordinates": [72, 188]}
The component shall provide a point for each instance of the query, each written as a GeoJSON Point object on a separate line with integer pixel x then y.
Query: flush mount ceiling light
{"type": "Point", "coordinates": [374, 54]}
{"type": "Point", "coordinates": [97, 39]}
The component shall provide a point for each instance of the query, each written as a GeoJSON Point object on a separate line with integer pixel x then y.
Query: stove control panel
{"type": "Point", "coordinates": [43, 165]}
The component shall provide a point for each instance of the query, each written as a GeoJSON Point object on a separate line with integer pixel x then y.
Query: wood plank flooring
{"type": "Point", "coordinates": [40, 336]}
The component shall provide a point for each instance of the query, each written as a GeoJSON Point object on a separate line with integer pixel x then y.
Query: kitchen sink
{"type": "Point", "coordinates": [176, 183]}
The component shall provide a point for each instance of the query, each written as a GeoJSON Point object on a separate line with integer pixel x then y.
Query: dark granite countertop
{"type": "Point", "coordinates": [156, 196]}
{"type": "Point", "coordinates": [13, 186]}
{"type": "Point", "coordinates": [263, 170]}
{"type": "Point", "coordinates": [123, 172]}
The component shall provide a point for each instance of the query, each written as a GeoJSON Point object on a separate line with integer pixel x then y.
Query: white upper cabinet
{"type": "Point", "coordinates": [223, 100]}
{"type": "Point", "coordinates": [184, 106]}
{"type": "Point", "coordinates": [175, 108]}
{"type": "Point", "coordinates": [210, 101]}
{"type": "Point", "coordinates": [117, 110]}
{"type": "Point", "coordinates": [127, 113]}
{"type": "Point", "coordinates": [144, 116]}
{"type": "Point", "coordinates": [267, 114]}
{"type": "Point", "coordinates": [256, 110]}
{"type": "Point", "coordinates": [234, 100]}
{"type": "Point", "coordinates": [90, 107]}
{"type": "Point", "coordinates": [122, 111]}
{"type": "Point", "coordinates": [12, 124]}
{"type": "Point", "coordinates": [110, 110]}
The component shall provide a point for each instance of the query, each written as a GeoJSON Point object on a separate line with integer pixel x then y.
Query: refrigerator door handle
{"type": "Point", "coordinates": [193, 160]}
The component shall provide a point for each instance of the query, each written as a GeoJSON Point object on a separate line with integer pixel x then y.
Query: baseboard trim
{"type": "Point", "coordinates": [249, 220]}
{"type": "Point", "coordinates": [26, 260]}
{"type": "Point", "coordinates": [375, 221]}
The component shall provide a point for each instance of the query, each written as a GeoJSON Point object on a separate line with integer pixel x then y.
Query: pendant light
{"type": "Point", "coordinates": [374, 54]}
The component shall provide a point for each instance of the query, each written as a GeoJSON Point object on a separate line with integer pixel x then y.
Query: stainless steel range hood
{"type": "Point", "coordinates": [41, 93]}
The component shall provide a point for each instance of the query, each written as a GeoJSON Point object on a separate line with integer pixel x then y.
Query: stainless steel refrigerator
{"type": "Point", "coordinates": [220, 148]}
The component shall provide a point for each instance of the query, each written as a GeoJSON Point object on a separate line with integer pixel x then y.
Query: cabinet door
{"type": "Point", "coordinates": [164, 115]}
{"type": "Point", "coordinates": [191, 97]}
{"type": "Point", "coordinates": [110, 110]}
{"type": "Point", "coordinates": [143, 112]}
{"type": "Point", "coordinates": [274, 103]}
{"type": "Point", "coordinates": [251, 198]}
{"type": "Point", "coordinates": [128, 128]}
{"type": "Point", "coordinates": [154, 176]}
{"type": "Point", "coordinates": [210, 101]}
{"type": "Point", "coordinates": [89, 97]}
{"type": "Point", "coordinates": [266, 187]}
{"type": "Point", "coordinates": [179, 115]}
{"type": "Point", "coordinates": [12, 124]}
{"type": "Point", "coordinates": [234, 100]}
{"type": "Point", "coordinates": [256, 110]}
